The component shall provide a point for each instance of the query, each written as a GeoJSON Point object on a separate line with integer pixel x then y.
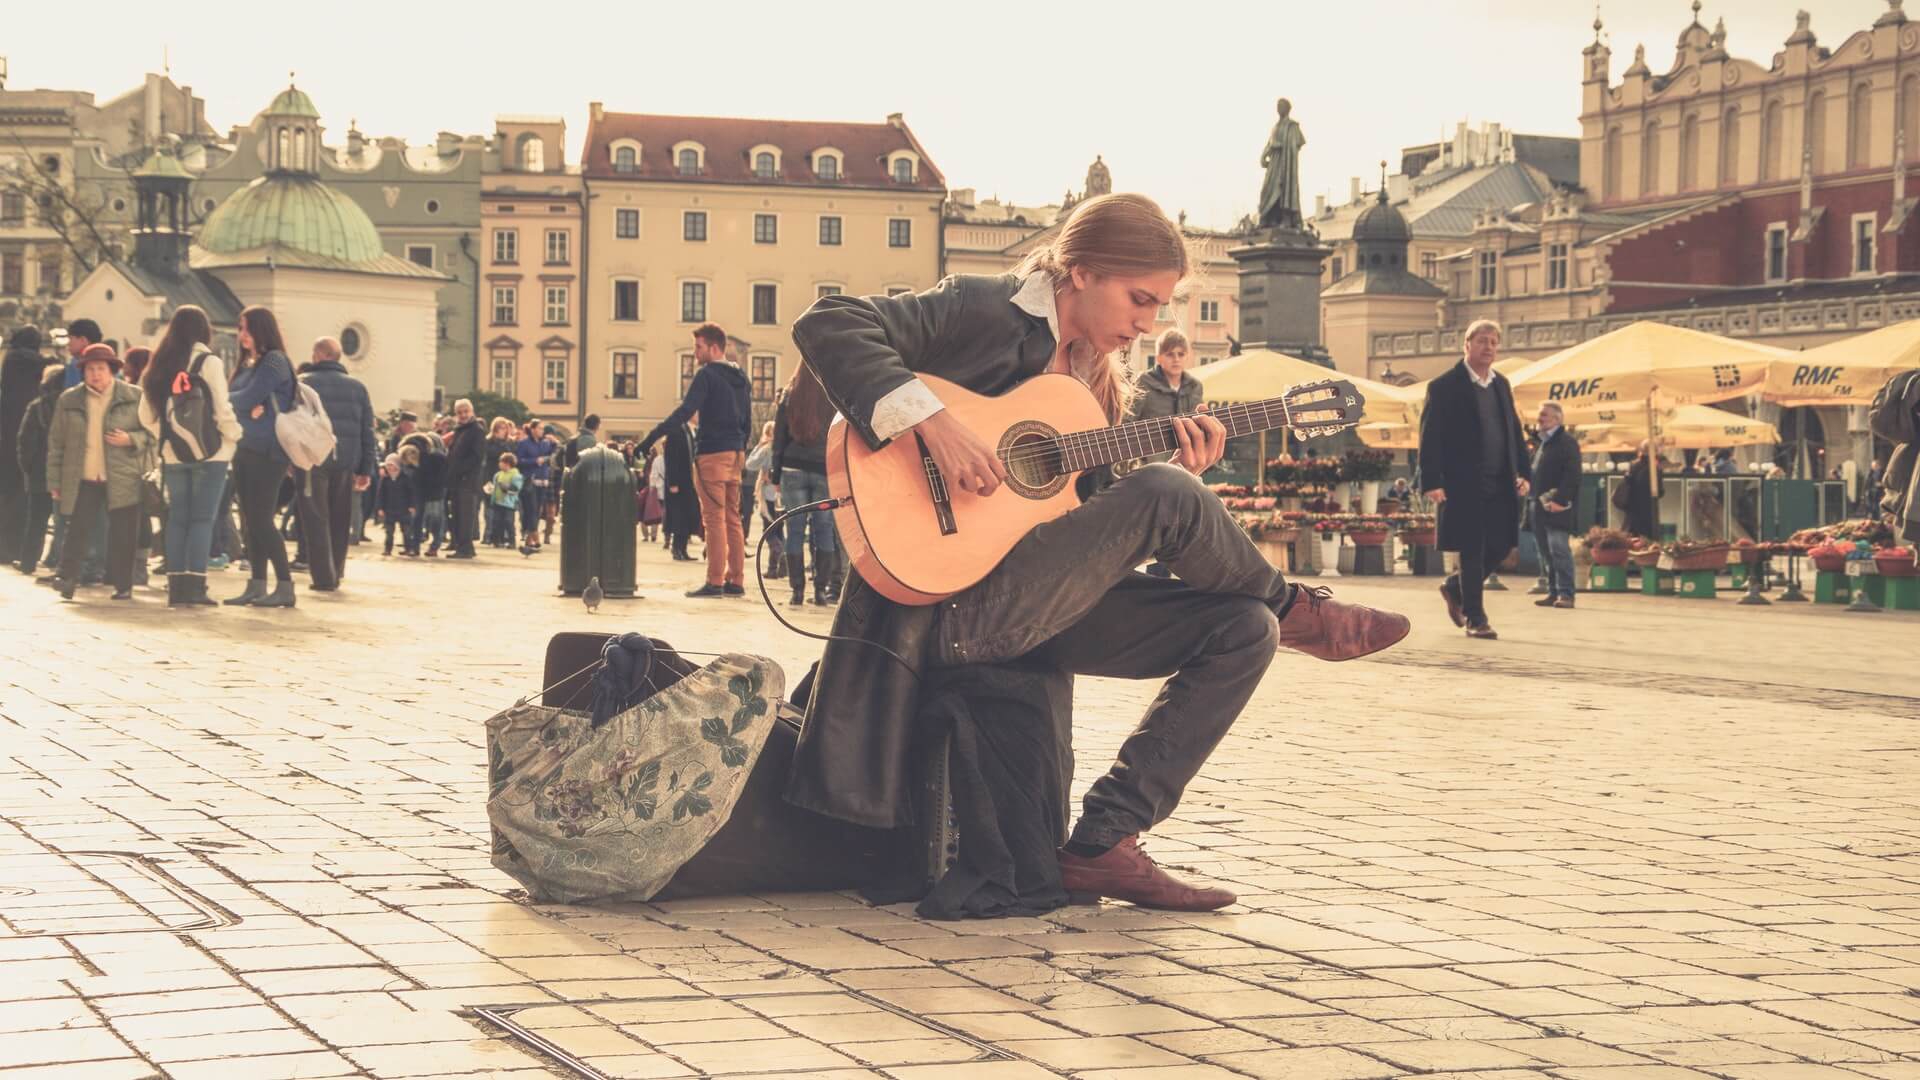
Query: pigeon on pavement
{"type": "Point", "coordinates": [593, 595]}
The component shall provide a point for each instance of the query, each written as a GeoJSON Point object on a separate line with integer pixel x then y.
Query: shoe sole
{"type": "Point", "coordinates": [1454, 610]}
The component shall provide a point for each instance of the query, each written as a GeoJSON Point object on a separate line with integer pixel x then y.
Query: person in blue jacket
{"type": "Point", "coordinates": [535, 454]}
{"type": "Point", "coordinates": [261, 388]}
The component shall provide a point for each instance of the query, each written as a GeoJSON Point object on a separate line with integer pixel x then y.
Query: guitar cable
{"type": "Point", "coordinates": [760, 575]}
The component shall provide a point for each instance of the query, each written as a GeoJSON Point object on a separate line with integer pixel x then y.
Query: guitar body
{"type": "Point", "coordinates": [917, 540]}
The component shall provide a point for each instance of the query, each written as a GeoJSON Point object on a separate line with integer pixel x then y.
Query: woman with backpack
{"type": "Point", "coordinates": [184, 404]}
{"type": "Point", "coordinates": [262, 388]}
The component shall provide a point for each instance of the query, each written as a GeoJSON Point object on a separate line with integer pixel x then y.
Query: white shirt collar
{"type": "Point", "coordinates": [1036, 299]}
{"type": "Point", "coordinates": [1477, 380]}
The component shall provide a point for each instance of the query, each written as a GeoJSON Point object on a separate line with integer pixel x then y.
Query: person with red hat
{"type": "Point", "coordinates": [96, 453]}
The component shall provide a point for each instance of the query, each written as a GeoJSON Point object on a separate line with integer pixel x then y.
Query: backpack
{"type": "Point", "coordinates": [188, 425]}
{"type": "Point", "coordinates": [305, 433]}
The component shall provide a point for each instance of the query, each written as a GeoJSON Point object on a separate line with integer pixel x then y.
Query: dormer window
{"type": "Point", "coordinates": [626, 156]}
{"type": "Point", "coordinates": [826, 165]}
{"type": "Point", "coordinates": [902, 170]}
{"type": "Point", "coordinates": [533, 153]}
{"type": "Point", "coordinates": [689, 163]}
{"type": "Point", "coordinates": [763, 166]}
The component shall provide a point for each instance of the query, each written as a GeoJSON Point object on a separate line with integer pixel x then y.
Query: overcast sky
{"type": "Point", "coordinates": [1012, 99]}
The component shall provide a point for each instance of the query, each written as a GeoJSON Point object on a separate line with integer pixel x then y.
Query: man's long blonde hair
{"type": "Point", "coordinates": [1123, 235]}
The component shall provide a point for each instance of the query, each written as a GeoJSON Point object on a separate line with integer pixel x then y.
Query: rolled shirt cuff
{"type": "Point", "coordinates": [903, 406]}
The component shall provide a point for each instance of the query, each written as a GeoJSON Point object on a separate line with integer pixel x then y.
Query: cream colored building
{"type": "Point", "coordinates": [531, 253]}
{"type": "Point", "coordinates": [743, 223]}
{"type": "Point", "coordinates": [992, 237]}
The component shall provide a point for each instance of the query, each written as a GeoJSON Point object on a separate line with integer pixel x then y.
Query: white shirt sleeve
{"type": "Point", "coordinates": [903, 406]}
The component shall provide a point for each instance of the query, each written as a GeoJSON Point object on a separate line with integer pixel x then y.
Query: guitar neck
{"type": "Point", "coordinates": [1145, 438]}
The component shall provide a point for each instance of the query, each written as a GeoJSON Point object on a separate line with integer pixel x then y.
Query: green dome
{"type": "Point", "coordinates": [293, 101]}
{"type": "Point", "coordinates": [291, 211]}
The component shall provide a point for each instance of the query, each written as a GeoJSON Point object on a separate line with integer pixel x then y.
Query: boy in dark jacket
{"type": "Point", "coordinates": [397, 505]}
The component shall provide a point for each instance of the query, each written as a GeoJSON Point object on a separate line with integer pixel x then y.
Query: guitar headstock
{"type": "Point", "coordinates": [1326, 407]}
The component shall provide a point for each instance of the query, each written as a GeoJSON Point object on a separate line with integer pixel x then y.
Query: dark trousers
{"type": "Point", "coordinates": [89, 505]}
{"type": "Point", "coordinates": [256, 483]}
{"type": "Point", "coordinates": [13, 509]}
{"type": "Point", "coordinates": [326, 508]}
{"type": "Point", "coordinates": [1067, 595]}
{"type": "Point", "coordinates": [466, 516]}
{"type": "Point", "coordinates": [33, 536]}
{"type": "Point", "coordinates": [1556, 557]}
{"type": "Point", "coordinates": [1476, 562]}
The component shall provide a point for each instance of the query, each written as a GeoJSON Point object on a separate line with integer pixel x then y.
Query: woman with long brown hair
{"type": "Point", "coordinates": [263, 386]}
{"type": "Point", "coordinates": [800, 468]}
{"type": "Point", "coordinates": [1067, 595]}
{"type": "Point", "coordinates": [195, 477]}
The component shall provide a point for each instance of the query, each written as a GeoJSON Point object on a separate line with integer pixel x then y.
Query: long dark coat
{"type": "Point", "coordinates": [1556, 475]}
{"type": "Point", "coordinates": [1450, 460]}
{"type": "Point", "coordinates": [683, 506]}
{"type": "Point", "coordinates": [1643, 509]}
{"type": "Point", "coordinates": [853, 759]}
{"type": "Point", "coordinates": [20, 375]}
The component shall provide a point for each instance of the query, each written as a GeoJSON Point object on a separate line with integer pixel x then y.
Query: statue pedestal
{"type": "Point", "coordinates": [1280, 292]}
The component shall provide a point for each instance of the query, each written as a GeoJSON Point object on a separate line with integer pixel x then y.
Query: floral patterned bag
{"type": "Point", "coordinates": [582, 813]}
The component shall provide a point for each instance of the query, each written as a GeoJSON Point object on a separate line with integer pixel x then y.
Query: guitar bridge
{"type": "Point", "coordinates": [937, 489]}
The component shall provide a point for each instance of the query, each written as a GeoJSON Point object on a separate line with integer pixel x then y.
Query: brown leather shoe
{"type": "Point", "coordinates": [1455, 611]}
{"type": "Point", "coordinates": [1564, 602]}
{"type": "Point", "coordinates": [1126, 873]}
{"type": "Point", "coordinates": [1321, 626]}
{"type": "Point", "coordinates": [1482, 631]}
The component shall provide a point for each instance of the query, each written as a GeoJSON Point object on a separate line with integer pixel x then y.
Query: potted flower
{"type": "Point", "coordinates": [1831, 556]}
{"type": "Point", "coordinates": [1698, 554]}
{"type": "Point", "coordinates": [1419, 530]}
{"type": "Point", "coordinates": [1367, 468]}
{"type": "Point", "coordinates": [1367, 531]}
{"type": "Point", "coordinates": [1896, 562]}
{"type": "Point", "coordinates": [1646, 558]}
{"type": "Point", "coordinates": [1608, 547]}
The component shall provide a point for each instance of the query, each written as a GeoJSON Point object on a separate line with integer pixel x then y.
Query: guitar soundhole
{"type": "Point", "coordinates": [1033, 462]}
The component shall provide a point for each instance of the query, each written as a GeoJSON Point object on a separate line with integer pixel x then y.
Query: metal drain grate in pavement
{"type": "Point", "coordinates": [56, 893]}
{"type": "Point", "coordinates": [615, 1038]}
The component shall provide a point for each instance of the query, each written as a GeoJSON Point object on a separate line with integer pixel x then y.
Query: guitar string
{"type": "Point", "coordinates": [1122, 438]}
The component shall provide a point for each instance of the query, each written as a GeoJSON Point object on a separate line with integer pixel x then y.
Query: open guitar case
{"type": "Point", "coordinates": [769, 845]}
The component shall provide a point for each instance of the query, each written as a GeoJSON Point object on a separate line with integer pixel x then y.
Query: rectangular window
{"type": "Point", "coordinates": [503, 377]}
{"type": "Point", "coordinates": [1489, 264]}
{"type": "Point", "coordinates": [13, 280]}
{"type": "Point", "coordinates": [626, 375]}
{"type": "Point", "coordinates": [559, 244]}
{"type": "Point", "coordinates": [766, 229]}
{"type": "Point", "coordinates": [766, 304]}
{"type": "Point", "coordinates": [764, 372]}
{"type": "Point", "coordinates": [1556, 266]}
{"type": "Point", "coordinates": [626, 224]}
{"type": "Point", "coordinates": [1210, 311]}
{"type": "Point", "coordinates": [506, 305]}
{"type": "Point", "coordinates": [688, 365]}
{"type": "Point", "coordinates": [50, 266]}
{"type": "Point", "coordinates": [1430, 266]}
{"type": "Point", "coordinates": [900, 232]}
{"type": "Point", "coordinates": [1864, 228]}
{"type": "Point", "coordinates": [898, 290]}
{"type": "Point", "coordinates": [626, 301]}
{"type": "Point", "coordinates": [556, 305]}
{"type": "Point", "coordinates": [693, 225]}
{"type": "Point", "coordinates": [1339, 269]}
{"type": "Point", "coordinates": [826, 290]}
{"type": "Point", "coordinates": [553, 383]}
{"type": "Point", "coordinates": [830, 230]}
{"type": "Point", "coordinates": [506, 245]}
{"type": "Point", "coordinates": [1776, 252]}
{"type": "Point", "coordinates": [420, 255]}
{"type": "Point", "coordinates": [1165, 314]}
{"type": "Point", "coordinates": [693, 301]}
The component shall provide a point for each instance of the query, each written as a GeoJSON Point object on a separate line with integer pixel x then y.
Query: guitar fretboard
{"type": "Point", "coordinates": [1145, 438]}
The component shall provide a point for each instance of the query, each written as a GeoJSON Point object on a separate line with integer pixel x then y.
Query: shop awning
{"type": "Point", "coordinates": [1643, 361]}
{"type": "Point", "coordinates": [1845, 372]}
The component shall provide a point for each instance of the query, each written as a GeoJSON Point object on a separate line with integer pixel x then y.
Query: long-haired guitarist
{"type": "Point", "coordinates": [1067, 594]}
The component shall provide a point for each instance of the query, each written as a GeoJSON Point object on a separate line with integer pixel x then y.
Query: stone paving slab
{"type": "Point", "coordinates": [1651, 838]}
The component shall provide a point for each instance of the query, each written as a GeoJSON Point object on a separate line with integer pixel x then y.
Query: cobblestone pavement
{"type": "Point", "coordinates": [1646, 839]}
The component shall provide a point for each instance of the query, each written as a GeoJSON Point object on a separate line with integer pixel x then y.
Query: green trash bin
{"type": "Point", "coordinates": [598, 516]}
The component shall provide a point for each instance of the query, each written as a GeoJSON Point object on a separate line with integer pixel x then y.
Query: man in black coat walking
{"type": "Point", "coordinates": [326, 500]}
{"type": "Point", "coordinates": [1473, 467]}
{"type": "Point", "coordinates": [1556, 484]}
{"type": "Point", "coordinates": [466, 472]}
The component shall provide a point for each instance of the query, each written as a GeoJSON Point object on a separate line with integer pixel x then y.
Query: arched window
{"type": "Point", "coordinates": [1860, 127]}
{"type": "Point", "coordinates": [283, 146]}
{"type": "Point", "coordinates": [1910, 115]}
{"type": "Point", "coordinates": [1730, 147]}
{"type": "Point", "coordinates": [1610, 166]}
{"type": "Point", "coordinates": [1773, 142]}
{"type": "Point", "coordinates": [903, 170]}
{"type": "Point", "coordinates": [827, 166]}
{"type": "Point", "coordinates": [625, 160]}
{"type": "Point", "coordinates": [533, 153]}
{"type": "Point", "coordinates": [1650, 159]}
{"type": "Point", "coordinates": [299, 149]}
{"type": "Point", "coordinates": [689, 162]}
{"type": "Point", "coordinates": [763, 165]}
{"type": "Point", "coordinates": [1690, 152]}
{"type": "Point", "coordinates": [1817, 131]}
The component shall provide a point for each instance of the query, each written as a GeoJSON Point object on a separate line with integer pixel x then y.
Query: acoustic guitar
{"type": "Point", "coordinates": [917, 541]}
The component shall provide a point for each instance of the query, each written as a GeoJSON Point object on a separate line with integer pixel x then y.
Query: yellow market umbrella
{"type": "Point", "coordinates": [1262, 373]}
{"type": "Point", "coordinates": [1389, 436]}
{"type": "Point", "coordinates": [1845, 372]}
{"type": "Point", "coordinates": [1630, 366]}
{"type": "Point", "coordinates": [1681, 427]}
